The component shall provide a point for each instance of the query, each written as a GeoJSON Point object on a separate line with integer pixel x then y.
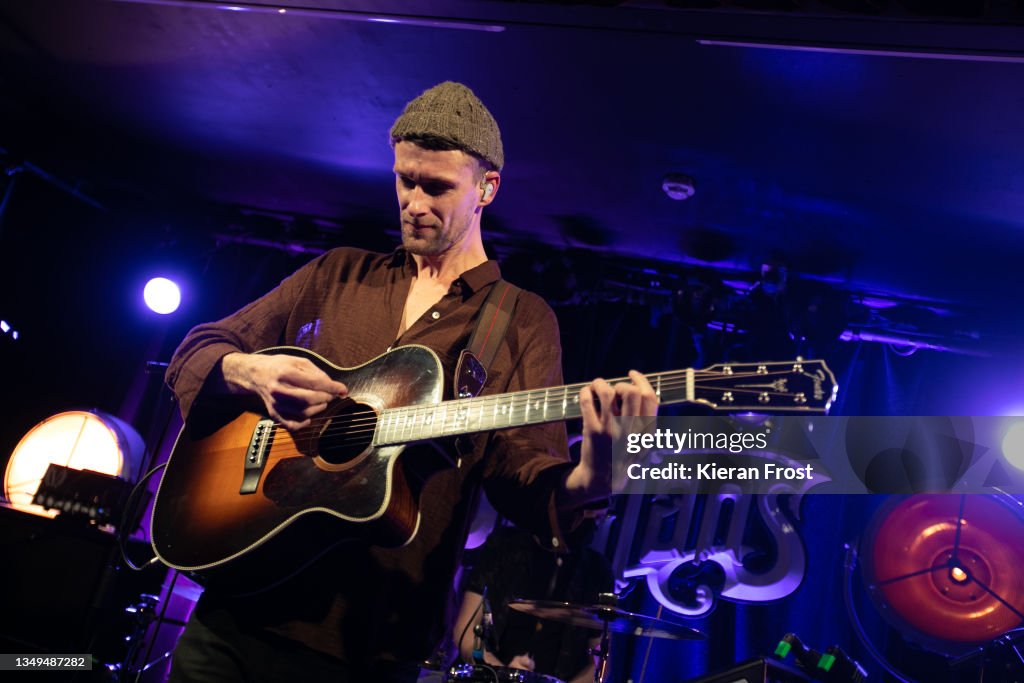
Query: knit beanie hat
{"type": "Point", "coordinates": [451, 111]}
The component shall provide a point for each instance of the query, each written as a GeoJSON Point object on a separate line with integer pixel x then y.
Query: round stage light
{"type": "Point", "coordinates": [77, 439]}
{"type": "Point", "coordinates": [162, 295]}
{"type": "Point", "coordinates": [944, 569]}
{"type": "Point", "coordinates": [1013, 445]}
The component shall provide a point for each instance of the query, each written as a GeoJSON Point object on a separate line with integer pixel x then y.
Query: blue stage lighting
{"type": "Point", "coordinates": [7, 330]}
{"type": "Point", "coordinates": [162, 295]}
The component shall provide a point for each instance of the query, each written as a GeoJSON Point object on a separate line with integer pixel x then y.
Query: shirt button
{"type": "Point", "coordinates": [554, 542]}
{"type": "Point", "coordinates": [435, 315]}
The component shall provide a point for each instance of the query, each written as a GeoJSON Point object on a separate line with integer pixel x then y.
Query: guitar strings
{"type": "Point", "coordinates": [348, 423]}
{"type": "Point", "coordinates": [670, 384]}
{"type": "Point", "coordinates": [366, 417]}
{"type": "Point", "coordinates": [352, 430]}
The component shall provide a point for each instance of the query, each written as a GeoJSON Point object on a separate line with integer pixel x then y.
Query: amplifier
{"type": "Point", "coordinates": [756, 671]}
{"type": "Point", "coordinates": [59, 595]}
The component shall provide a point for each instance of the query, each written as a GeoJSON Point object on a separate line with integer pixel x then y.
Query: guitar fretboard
{"type": "Point", "coordinates": [502, 411]}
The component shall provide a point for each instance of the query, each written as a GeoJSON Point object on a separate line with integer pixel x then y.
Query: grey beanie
{"type": "Point", "coordinates": [451, 111]}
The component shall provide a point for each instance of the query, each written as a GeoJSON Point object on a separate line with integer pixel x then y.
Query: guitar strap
{"type": "Point", "coordinates": [491, 325]}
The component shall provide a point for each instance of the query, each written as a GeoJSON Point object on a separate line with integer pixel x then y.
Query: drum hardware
{"type": "Point", "coordinates": [143, 613]}
{"type": "Point", "coordinates": [600, 617]}
{"type": "Point", "coordinates": [483, 673]}
{"type": "Point", "coordinates": [607, 618]}
{"type": "Point", "coordinates": [998, 660]}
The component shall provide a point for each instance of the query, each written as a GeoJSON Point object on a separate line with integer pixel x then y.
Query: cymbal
{"type": "Point", "coordinates": [596, 616]}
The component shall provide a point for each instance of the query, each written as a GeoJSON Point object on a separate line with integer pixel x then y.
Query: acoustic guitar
{"type": "Point", "coordinates": [245, 502]}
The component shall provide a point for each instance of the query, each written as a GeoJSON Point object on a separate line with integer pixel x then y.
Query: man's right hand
{"type": "Point", "coordinates": [293, 389]}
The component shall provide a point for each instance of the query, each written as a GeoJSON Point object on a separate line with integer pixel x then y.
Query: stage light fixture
{"type": "Point", "coordinates": [78, 439]}
{"type": "Point", "coordinates": [162, 296]}
{"type": "Point", "coordinates": [1013, 445]}
{"type": "Point", "coordinates": [944, 569]}
{"type": "Point", "coordinates": [7, 330]}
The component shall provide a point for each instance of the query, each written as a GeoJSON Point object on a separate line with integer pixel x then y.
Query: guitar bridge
{"type": "Point", "coordinates": [256, 455]}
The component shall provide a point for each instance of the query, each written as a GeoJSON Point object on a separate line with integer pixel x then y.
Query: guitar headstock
{"type": "Point", "coordinates": [794, 386]}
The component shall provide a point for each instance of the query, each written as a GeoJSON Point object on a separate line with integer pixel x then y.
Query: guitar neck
{"type": "Point", "coordinates": [516, 409]}
{"type": "Point", "coordinates": [805, 386]}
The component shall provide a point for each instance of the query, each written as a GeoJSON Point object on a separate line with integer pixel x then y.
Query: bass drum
{"type": "Point", "coordinates": [481, 673]}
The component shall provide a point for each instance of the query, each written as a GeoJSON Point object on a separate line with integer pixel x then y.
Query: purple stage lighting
{"type": "Point", "coordinates": [162, 295]}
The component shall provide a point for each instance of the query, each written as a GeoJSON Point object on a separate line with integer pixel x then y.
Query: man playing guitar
{"type": "Point", "coordinates": [366, 610]}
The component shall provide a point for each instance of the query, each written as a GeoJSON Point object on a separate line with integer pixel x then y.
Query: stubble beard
{"type": "Point", "coordinates": [434, 244]}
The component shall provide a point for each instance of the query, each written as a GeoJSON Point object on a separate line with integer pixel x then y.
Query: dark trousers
{"type": "Point", "coordinates": [214, 650]}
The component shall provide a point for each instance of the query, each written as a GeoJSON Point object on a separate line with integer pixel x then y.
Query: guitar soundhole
{"type": "Point", "coordinates": [347, 433]}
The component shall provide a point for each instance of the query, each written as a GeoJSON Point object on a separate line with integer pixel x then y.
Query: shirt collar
{"type": "Point", "coordinates": [480, 276]}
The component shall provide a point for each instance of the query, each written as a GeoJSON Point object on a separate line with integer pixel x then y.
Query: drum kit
{"type": "Point", "coordinates": [604, 617]}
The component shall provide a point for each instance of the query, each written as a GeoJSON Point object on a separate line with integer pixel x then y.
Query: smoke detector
{"type": "Point", "coordinates": [678, 186]}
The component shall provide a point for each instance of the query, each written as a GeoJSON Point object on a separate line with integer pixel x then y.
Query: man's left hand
{"type": "Point", "coordinates": [601, 405]}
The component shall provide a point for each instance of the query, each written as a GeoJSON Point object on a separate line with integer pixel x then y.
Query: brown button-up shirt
{"type": "Point", "coordinates": [362, 603]}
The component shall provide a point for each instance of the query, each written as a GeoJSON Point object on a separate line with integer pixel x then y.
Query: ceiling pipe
{"type": "Point", "coordinates": [328, 13]}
